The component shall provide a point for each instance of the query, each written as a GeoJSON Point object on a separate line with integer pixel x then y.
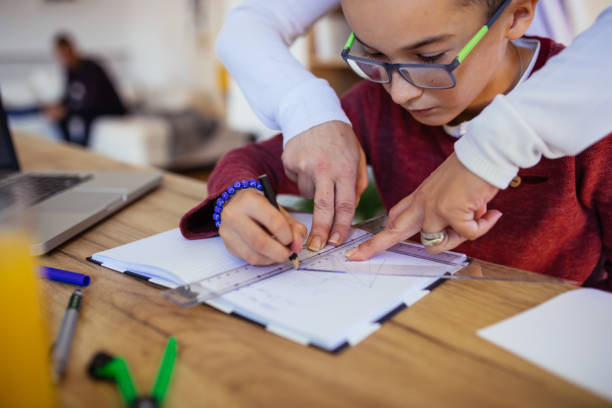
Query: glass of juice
{"type": "Point", "coordinates": [25, 370]}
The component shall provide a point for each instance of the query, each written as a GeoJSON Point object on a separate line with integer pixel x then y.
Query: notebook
{"type": "Point", "coordinates": [327, 310]}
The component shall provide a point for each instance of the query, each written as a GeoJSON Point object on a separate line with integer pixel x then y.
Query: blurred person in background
{"type": "Point", "coordinates": [88, 93]}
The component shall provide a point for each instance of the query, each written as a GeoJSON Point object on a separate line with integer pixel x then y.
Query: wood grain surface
{"type": "Point", "coordinates": [426, 355]}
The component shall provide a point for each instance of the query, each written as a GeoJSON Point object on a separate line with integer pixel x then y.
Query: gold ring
{"type": "Point", "coordinates": [433, 239]}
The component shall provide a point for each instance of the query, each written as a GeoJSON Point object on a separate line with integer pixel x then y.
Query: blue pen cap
{"type": "Point", "coordinates": [60, 275]}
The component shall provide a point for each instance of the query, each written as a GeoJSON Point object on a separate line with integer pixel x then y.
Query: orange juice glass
{"type": "Point", "coordinates": [25, 372]}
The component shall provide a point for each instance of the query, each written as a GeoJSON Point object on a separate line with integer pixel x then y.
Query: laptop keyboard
{"type": "Point", "coordinates": [29, 189]}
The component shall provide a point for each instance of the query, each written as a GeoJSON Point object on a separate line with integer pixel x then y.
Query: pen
{"type": "Point", "coordinates": [60, 275]}
{"type": "Point", "coordinates": [269, 193]}
{"type": "Point", "coordinates": [61, 347]}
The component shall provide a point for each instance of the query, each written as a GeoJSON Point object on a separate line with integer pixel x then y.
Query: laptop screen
{"type": "Point", "coordinates": [8, 158]}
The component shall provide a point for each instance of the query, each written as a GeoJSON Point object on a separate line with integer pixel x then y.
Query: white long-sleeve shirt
{"type": "Point", "coordinates": [560, 111]}
{"type": "Point", "coordinates": [253, 45]}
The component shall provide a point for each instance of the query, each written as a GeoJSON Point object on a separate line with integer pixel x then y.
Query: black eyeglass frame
{"type": "Point", "coordinates": [448, 68]}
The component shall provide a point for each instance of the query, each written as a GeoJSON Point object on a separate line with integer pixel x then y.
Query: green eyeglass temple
{"type": "Point", "coordinates": [465, 51]}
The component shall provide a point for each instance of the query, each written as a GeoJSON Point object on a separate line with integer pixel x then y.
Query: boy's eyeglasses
{"type": "Point", "coordinates": [428, 76]}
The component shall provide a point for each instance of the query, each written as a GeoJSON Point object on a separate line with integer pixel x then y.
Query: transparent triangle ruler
{"type": "Point", "coordinates": [332, 260]}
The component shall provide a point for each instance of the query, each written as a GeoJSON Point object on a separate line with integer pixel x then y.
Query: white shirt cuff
{"type": "Point", "coordinates": [308, 105]}
{"type": "Point", "coordinates": [497, 143]}
{"type": "Point", "coordinates": [472, 157]}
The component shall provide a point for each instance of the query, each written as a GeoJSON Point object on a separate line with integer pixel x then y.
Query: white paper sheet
{"type": "Point", "coordinates": [569, 335]}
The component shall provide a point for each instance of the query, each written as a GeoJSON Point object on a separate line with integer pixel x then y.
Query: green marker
{"type": "Point", "coordinates": [116, 369]}
{"type": "Point", "coordinates": [165, 372]}
{"type": "Point", "coordinates": [104, 366]}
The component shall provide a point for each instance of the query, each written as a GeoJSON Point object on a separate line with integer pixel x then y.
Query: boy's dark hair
{"type": "Point", "coordinates": [491, 5]}
{"type": "Point", "coordinates": [63, 40]}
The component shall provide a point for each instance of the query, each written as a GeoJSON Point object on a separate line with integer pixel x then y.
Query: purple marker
{"type": "Point", "coordinates": [60, 275]}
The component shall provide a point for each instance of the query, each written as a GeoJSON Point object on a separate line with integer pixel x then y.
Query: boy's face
{"type": "Point", "coordinates": [432, 31]}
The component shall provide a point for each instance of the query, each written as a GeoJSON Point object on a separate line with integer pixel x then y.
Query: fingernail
{"type": "Point", "coordinates": [335, 239]}
{"type": "Point", "coordinates": [315, 244]}
{"type": "Point", "coordinates": [350, 252]}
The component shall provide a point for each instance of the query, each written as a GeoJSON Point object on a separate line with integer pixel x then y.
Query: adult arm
{"type": "Point", "coordinates": [322, 154]}
{"type": "Point", "coordinates": [564, 108]}
{"type": "Point", "coordinates": [253, 45]}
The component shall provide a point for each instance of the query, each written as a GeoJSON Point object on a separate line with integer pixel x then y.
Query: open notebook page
{"type": "Point", "coordinates": [173, 259]}
{"type": "Point", "coordinates": [319, 308]}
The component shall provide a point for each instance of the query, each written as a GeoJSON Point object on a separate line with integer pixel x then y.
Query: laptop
{"type": "Point", "coordinates": [62, 204]}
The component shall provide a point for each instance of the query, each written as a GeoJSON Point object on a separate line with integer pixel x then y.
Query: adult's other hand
{"type": "Point", "coordinates": [452, 196]}
{"type": "Point", "coordinates": [329, 165]}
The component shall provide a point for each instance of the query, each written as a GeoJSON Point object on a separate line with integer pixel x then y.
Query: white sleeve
{"type": "Point", "coordinates": [561, 110]}
{"type": "Point", "coordinates": [253, 45]}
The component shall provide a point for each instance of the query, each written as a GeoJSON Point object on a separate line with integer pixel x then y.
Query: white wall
{"type": "Point", "coordinates": [155, 40]}
{"type": "Point", "coordinates": [562, 20]}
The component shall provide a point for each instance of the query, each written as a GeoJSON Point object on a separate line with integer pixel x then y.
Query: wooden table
{"type": "Point", "coordinates": [427, 355]}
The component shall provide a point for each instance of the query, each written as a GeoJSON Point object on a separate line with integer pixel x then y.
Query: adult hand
{"type": "Point", "coordinates": [329, 165]}
{"type": "Point", "coordinates": [451, 196]}
{"type": "Point", "coordinates": [255, 231]}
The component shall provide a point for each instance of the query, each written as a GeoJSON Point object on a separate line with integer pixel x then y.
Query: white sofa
{"type": "Point", "coordinates": [149, 140]}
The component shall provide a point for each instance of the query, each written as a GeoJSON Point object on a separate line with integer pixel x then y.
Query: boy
{"type": "Point", "coordinates": [557, 214]}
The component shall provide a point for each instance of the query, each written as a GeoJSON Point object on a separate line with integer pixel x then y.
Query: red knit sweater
{"type": "Point", "coordinates": [558, 221]}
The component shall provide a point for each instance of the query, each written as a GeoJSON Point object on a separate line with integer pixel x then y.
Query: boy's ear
{"type": "Point", "coordinates": [523, 12]}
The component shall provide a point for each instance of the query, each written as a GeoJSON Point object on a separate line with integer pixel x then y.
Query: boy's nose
{"type": "Point", "coordinates": [403, 91]}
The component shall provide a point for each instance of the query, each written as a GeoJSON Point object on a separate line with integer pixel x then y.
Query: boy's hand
{"type": "Point", "coordinates": [329, 165]}
{"type": "Point", "coordinates": [252, 229]}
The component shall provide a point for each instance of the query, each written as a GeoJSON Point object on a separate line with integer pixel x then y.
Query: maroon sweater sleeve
{"type": "Point", "coordinates": [247, 162]}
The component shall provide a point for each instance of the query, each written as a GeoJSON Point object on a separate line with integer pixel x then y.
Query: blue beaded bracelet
{"type": "Point", "coordinates": [228, 193]}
